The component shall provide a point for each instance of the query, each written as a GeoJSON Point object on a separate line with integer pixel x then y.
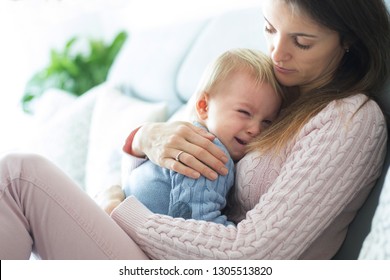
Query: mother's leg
{"type": "Point", "coordinates": [43, 211]}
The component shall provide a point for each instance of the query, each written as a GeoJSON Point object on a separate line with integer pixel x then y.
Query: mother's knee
{"type": "Point", "coordinates": [15, 164]}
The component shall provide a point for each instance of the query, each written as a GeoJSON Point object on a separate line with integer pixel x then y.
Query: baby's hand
{"type": "Point", "coordinates": [111, 205]}
{"type": "Point", "coordinates": [110, 198]}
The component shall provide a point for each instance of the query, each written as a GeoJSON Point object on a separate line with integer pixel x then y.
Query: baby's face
{"type": "Point", "coordinates": [239, 109]}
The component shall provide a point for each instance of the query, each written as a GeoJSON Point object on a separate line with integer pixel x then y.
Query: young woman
{"type": "Point", "coordinates": [296, 191]}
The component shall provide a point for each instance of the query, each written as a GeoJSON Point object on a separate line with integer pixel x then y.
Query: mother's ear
{"type": "Point", "coordinates": [346, 43]}
{"type": "Point", "coordinates": [202, 106]}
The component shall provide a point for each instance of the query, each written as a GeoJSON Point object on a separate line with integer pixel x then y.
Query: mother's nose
{"type": "Point", "coordinates": [279, 49]}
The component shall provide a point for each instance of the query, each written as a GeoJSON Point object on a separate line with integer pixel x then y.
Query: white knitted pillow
{"type": "Point", "coordinates": [63, 137]}
{"type": "Point", "coordinates": [114, 117]}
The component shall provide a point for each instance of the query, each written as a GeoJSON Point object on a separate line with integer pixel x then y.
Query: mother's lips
{"type": "Point", "coordinates": [283, 70]}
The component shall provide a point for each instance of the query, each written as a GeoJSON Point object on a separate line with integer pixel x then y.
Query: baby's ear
{"type": "Point", "coordinates": [202, 106]}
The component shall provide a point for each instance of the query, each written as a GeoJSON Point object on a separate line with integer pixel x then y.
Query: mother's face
{"type": "Point", "coordinates": [304, 53]}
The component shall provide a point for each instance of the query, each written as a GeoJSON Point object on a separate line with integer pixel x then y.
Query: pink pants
{"type": "Point", "coordinates": [43, 212]}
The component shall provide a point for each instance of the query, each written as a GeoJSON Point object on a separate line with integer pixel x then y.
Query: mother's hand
{"type": "Point", "coordinates": [162, 142]}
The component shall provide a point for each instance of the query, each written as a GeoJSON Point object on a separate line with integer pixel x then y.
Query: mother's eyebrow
{"type": "Point", "coordinates": [294, 33]}
{"type": "Point", "coordinates": [304, 35]}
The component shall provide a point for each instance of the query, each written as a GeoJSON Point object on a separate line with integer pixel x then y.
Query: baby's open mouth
{"type": "Point", "coordinates": [241, 141]}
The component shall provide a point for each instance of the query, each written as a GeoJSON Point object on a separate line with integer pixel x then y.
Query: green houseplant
{"type": "Point", "coordinates": [74, 71]}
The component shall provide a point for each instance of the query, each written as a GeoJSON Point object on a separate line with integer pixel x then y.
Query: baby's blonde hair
{"type": "Point", "coordinates": [254, 62]}
{"type": "Point", "coordinates": [257, 63]}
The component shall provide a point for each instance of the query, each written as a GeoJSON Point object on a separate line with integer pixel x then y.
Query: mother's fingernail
{"type": "Point", "coordinates": [213, 175]}
{"type": "Point", "coordinates": [224, 159]}
{"type": "Point", "coordinates": [224, 171]}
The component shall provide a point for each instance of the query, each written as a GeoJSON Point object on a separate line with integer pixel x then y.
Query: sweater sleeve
{"type": "Point", "coordinates": [336, 155]}
{"type": "Point", "coordinates": [129, 161]}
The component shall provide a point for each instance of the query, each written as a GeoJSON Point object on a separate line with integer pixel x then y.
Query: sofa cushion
{"type": "Point", "coordinates": [242, 28]}
{"type": "Point", "coordinates": [51, 102]}
{"type": "Point", "coordinates": [63, 137]}
{"type": "Point", "coordinates": [113, 117]}
{"type": "Point", "coordinates": [147, 65]}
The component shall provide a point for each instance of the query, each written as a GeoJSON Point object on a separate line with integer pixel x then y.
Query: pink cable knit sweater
{"type": "Point", "coordinates": [296, 205]}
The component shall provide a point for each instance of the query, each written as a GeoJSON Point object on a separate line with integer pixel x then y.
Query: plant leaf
{"type": "Point", "coordinates": [74, 72]}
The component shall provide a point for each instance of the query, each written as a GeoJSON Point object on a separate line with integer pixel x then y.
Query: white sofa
{"type": "Point", "coordinates": [151, 80]}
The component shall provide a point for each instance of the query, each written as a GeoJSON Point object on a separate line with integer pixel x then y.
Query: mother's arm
{"type": "Point", "coordinates": [162, 142]}
{"type": "Point", "coordinates": [332, 163]}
